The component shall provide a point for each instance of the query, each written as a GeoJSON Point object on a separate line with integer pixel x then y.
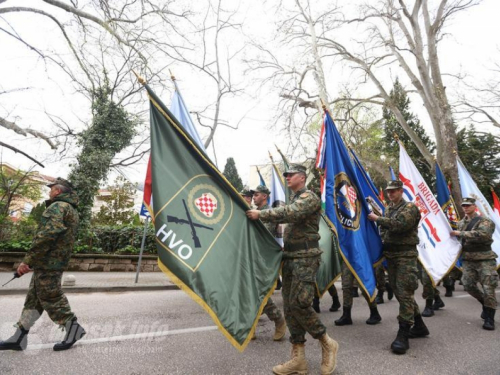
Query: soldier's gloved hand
{"type": "Point", "coordinates": [253, 214]}
{"type": "Point", "coordinates": [23, 268]}
{"type": "Point", "coordinates": [372, 216]}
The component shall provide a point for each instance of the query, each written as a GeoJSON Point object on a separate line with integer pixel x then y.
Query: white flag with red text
{"type": "Point", "coordinates": [437, 250]}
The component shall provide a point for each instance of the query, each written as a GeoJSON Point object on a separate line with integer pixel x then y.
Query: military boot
{"type": "Point", "coordinates": [316, 305]}
{"type": "Point", "coordinates": [449, 291]}
{"type": "Point", "coordinates": [329, 349]}
{"type": "Point", "coordinates": [380, 297]}
{"type": "Point", "coordinates": [438, 303]}
{"type": "Point", "coordinates": [401, 344]}
{"type": "Point", "coordinates": [19, 341]}
{"type": "Point", "coordinates": [489, 321]}
{"type": "Point", "coordinates": [483, 313]}
{"type": "Point", "coordinates": [390, 292]}
{"type": "Point", "coordinates": [345, 319]}
{"type": "Point", "coordinates": [296, 365]}
{"type": "Point", "coordinates": [428, 311]}
{"type": "Point", "coordinates": [280, 329]}
{"type": "Point", "coordinates": [355, 292]}
{"type": "Point", "coordinates": [335, 304]}
{"type": "Point", "coordinates": [74, 332]}
{"type": "Point", "coordinates": [419, 329]}
{"type": "Point", "coordinates": [375, 317]}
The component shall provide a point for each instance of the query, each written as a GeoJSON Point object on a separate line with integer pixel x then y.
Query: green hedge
{"type": "Point", "coordinates": [101, 240]}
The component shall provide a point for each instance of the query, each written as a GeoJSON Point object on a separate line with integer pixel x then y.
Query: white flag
{"type": "Point", "coordinates": [437, 250]}
{"type": "Point", "coordinates": [278, 198]}
{"type": "Point", "coordinates": [470, 189]}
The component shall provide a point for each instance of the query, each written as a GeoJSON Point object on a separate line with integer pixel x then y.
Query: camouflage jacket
{"type": "Point", "coordinates": [399, 229]}
{"type": "Point", "coordinates": [270, 226]}
{"type": "Point", "coordinates": [476, 242]}
{"type": "Point", "coordinates": [53, 242]}
{"type": "Point", "coordinates": [302, 216]}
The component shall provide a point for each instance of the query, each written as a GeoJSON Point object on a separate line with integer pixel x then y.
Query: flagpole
{"type": "Point", "coordinates": [146, 223]}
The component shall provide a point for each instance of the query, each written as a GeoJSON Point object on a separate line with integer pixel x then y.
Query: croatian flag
{"type": "Point", "coordinates": [438, 251]}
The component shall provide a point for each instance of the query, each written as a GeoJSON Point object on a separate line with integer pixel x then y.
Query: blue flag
{"type": "Point", "coordinates": [181, 113]}
{"type": "Point", "coordinates": [370, 192]}
{"type": "Point", "coordinates": [346, 208]}
{"type": "Point", "coordinates": [393, 175]}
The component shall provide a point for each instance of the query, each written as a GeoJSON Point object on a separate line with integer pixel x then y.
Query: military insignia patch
{"type": "Point", "coordinates": [347, 205]}
{"type": "Point", "coordinates": [207, 204]}
{"type": "Point", "coordinates": [193, 219]}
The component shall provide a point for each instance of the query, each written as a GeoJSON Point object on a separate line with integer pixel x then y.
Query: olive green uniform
{"type": "Point", "coordinates": [478, 260]}
{"type": "Point", "coordinates": [49, 256]}
{"type": "Point", "coordinates": [399, 231]}
{"type": "Point", "coordinates": [301, 260]}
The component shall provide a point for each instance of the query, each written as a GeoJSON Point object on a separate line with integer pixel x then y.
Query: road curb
{"type": "Point", "coordinates": [99, 289]}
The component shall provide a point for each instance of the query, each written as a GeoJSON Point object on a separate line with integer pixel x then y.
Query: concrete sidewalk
{"type": "Point", "coordinates": [91, 282]}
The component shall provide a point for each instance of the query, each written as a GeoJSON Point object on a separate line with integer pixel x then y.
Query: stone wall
{"type": "Point", "coordinates": [91, 262]}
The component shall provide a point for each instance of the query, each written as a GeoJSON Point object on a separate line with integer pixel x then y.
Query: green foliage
{"type": "Point", "coordinates": [111, 130]}
{"type": "Point", "coordinates": [110, 240]}
{"type": "Point", "coordinates": [119, 207]}
{"type": "Point", "coordinates": [15, 246]}
{"type": "Point", "coordinates": [480, 154]}
{"type": "Point", "coordinates": [16, 183]}
{"type": "Point", "coordinates": [36, 213]}
{"type": "Point", "coordinates": [389, 145]}
{"type": "Point", "coordinates": [231, 173]}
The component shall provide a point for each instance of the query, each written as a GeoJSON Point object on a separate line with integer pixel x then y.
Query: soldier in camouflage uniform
{"type": "Point", "coordinates": [260, 196]}
{"type": "Point", "coordinates": [48, 257]}
{"type": "Point", "coordinates": [301, 260]}
{"type": "Point", "coordinates": [399, 231]}
{"type": "Point", "coordinates": [478, 260]}
{"type": "Point", "coordinates": [382, 285]}
{"type": "Point", "coordinates": [347, 297]}
{"type": "Point", "coordinates": [247, 196]}
{"type": "Point", "coordinates": [433, 301]}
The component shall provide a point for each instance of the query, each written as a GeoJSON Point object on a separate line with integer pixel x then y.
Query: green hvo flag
{"type": "Point", "coordinates": [206, 245]}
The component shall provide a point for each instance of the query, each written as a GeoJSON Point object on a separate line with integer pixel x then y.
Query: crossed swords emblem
{"type": "Point", "coordinates": [192, 224]}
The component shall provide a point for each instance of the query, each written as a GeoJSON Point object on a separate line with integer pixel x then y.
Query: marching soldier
{"type": "Point", "coordinates": [48, 257]}
{"type": "Point", "coordinates": [260, 196]}
{"type": "Point", "coordinates": [399, 231]}
{"type": "Point", "coordinates": [478, 260]}
{"type": "Point", "coordinates": [301, 260]}
{"type": "Point", "coordinates": [347, 296]}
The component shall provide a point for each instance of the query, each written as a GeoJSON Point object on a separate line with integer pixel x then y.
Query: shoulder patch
{"type": "Point", "coordinates": [304, 195]}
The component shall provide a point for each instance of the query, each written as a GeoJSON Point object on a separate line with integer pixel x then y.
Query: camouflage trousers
{"type": "Point", "coordinates": [45, 294]}
{"type": "Point", "coordinates": [429, 291]}
{"type": "Point", "coordinates": [484, 273]}
{"type": "Point", "coordinates": [272, 311]}
{"type": "Point", "coordinates": [347, 285]}
{"type": "Point", "coordinates": [299, 278]}
{"type": "Point", "coordinates": [452, 276]}
{"type": "Point", "coordinates": [403, 278]}
{"type": "Point", "coordinates": [380, 277]}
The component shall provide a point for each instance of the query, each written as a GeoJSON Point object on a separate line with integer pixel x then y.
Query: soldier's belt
{"type": "Point", "coordinates": [302, 246]}
{"type": "Point", "coordinates": [398, 247]}
{"type": "Point", "coordinates": [475, 248]}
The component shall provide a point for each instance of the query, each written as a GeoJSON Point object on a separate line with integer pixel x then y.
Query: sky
{"type": "Point", "coordinates": [470, 48]}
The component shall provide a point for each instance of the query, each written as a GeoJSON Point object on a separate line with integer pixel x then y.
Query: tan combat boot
{"type": "Point", "coordinates": [297, 365]}
{"type": "Point", "coordinates": [280, 330]}
{"type": "Point", "coordinates": [329, 349]}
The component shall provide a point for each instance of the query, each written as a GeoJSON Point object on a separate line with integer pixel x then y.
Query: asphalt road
{"type": "Point", "coordinates": [165, 332]}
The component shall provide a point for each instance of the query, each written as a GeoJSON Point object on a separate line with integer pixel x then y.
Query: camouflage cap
{"type": "Point", "coordinates": [246, 193]}
{"type": "Point", "coordinates": [61, 181]}
{"type": "Point", "coordinates": [394, 184]}
{"type": "Point", "coordinates": [468, 201]}
{"type": "Point", "coordinates": [261, 189]}
{"type": "Point", "coordinates": [295, 168]}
